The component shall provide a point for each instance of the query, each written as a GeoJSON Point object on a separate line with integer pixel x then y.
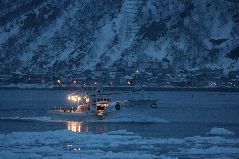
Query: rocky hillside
{"type": "Point", "coordinates": [53, 34]}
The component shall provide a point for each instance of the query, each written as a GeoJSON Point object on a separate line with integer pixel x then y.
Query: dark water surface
{"type": "Point", "coordinates": [186, 114]}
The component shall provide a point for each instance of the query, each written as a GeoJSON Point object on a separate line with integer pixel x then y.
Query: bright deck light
{"type": "Point", "coordinates": [75, 98]}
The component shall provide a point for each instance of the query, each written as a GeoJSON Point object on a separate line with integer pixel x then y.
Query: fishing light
{"type": "Point", "coordinates": [87, 100]}
{"type": "Point", "coordinates": [74, 98]}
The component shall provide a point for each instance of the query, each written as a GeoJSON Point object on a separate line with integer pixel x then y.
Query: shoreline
{"type": "Point", "coordinates": [125, 88]}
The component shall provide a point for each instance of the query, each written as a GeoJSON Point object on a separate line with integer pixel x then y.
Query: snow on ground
{"type": "Point", "coordinates": [220, 131]}
{"type": "Point", "coordinates": [114, 144]}
{"type": "Point", "coordinates": [49, 33]}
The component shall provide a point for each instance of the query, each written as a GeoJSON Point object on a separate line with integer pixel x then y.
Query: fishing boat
{"type": "Point", "coordinates": [99, 105]}
{"type": "Point", "coordinates": [87, 105]}
{"type": "Point", "coordinates": [137, 98]}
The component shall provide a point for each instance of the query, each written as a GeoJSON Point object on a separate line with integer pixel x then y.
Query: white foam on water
{"type": "Point", "coordinates": [134, 120]}
{"type": "Point", "coordinates": [41, 119]}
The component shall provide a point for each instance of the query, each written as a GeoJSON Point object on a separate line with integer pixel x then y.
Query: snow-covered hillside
{"type": "Point", "coordinates": [80, 34]}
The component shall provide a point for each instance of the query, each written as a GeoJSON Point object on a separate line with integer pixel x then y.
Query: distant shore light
{"type": "Point", "coordinates": [58, 81]}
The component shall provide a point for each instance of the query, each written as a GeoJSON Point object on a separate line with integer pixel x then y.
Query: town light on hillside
{"type": "Point", "coordinates": [58, 81]}
{"type": "Point", "coordinates": [111, 82]}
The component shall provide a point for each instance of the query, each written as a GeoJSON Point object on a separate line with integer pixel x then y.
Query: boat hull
{"type": "Point", "coordinates": [130, 110]}
{"type": "Point", "coordinates": [74, 116]}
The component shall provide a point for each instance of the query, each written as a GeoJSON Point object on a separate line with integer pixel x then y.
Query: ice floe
{"type": "Point", "coordinates": [113, 144]}
{"type": "Point", "coordinates": [220, 131]}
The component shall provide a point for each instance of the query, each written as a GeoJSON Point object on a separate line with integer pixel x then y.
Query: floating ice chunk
{"type": "Point", "coordinates": [212, 150]}
{"type": "Point", "coordinates": [168, 157]}
{"type": "Point", "coordinates": [118, 144]}
{"type": "Point", "coordinates": [8, 154]}
{"type": "Point", "coordinates": [120, 132]}
{"type": "Point", "coordinates": [220, 131]}
{"type": "Point", "coordinates": [214, 140]}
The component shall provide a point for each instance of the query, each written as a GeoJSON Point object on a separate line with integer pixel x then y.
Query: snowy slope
{"type": "Point", "coordinates": [80, 34]}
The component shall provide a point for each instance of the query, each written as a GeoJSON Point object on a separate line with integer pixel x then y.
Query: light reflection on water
{"type": "Point", "coordinates": [76, 126]}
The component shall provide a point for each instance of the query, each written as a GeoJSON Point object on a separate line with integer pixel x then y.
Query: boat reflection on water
{"type": "Point", "coordinates": [76, 126]}
{"type": "Point", "coordinates": [84, 127]}
{"type": "Point", "coordinates": [101, 128]}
